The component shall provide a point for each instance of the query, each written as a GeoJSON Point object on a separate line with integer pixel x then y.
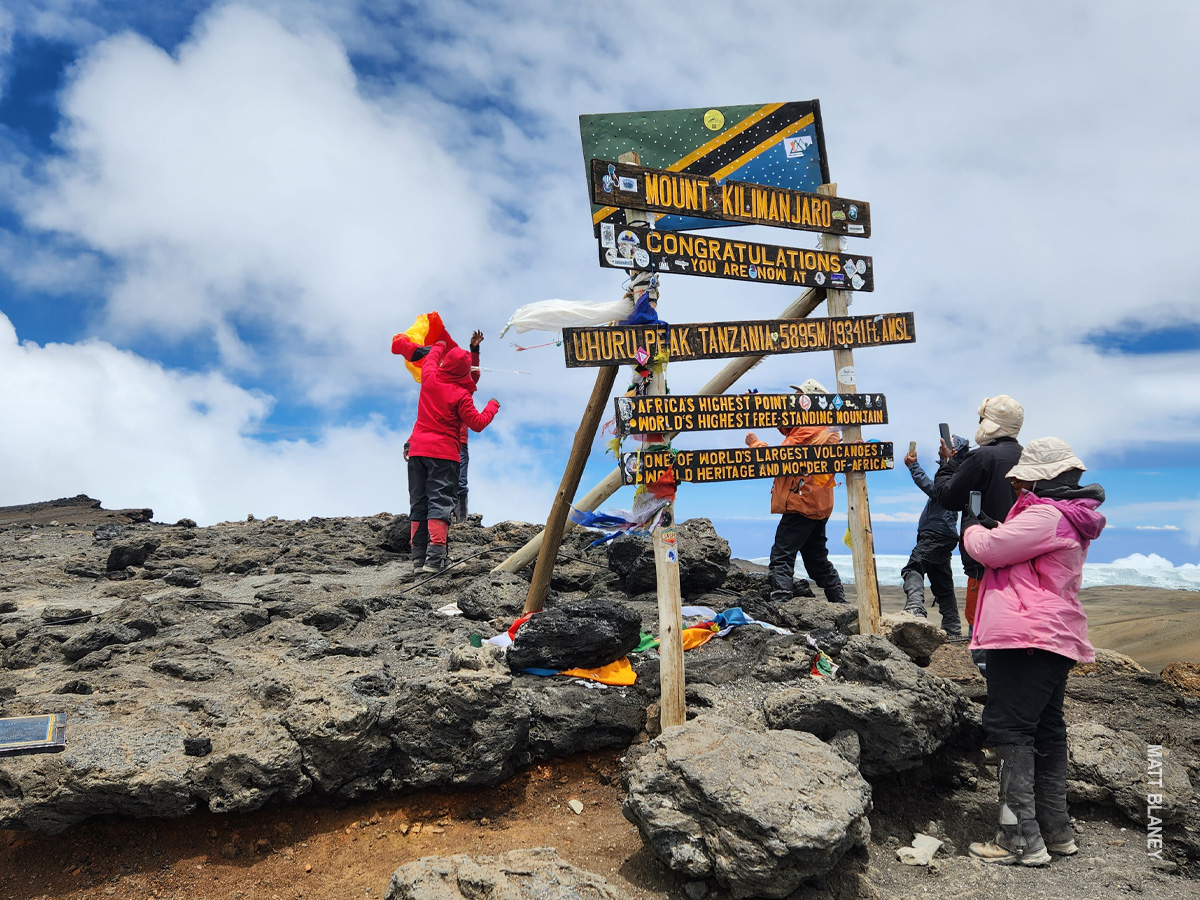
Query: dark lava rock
{"type": "Point", "coordinates": [132, 553]}
{"type": "Point", "coordinates": [497, 595]}
{"type": "Point", "coordinates": [55, 614]}
{"type": "Point", "coordinates": [108, 532]}
{"type": "Point", "coordinates": [186, 523]}
{"type": "Point", "coordinates": [97, 638]}
{"type": "Point", "coordinates": [184, 576]}
{"type": "Point", "coordinates": [197, 746]}
{"type": "Point", "coordinates": [396, 538]}
{"type": "Point", "coordinates": [760, 813]}
{"type": "Point", "coordinates": [537, 874]}
{"type": "Point", "coordinates": [583, 634]}
{"type": "Point", "coordinates": [7, 606]}
{"type": "Point", "coordinates": [703, 559]}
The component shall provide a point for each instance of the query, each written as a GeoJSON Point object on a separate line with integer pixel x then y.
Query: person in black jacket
{"type": "Point", "coordinates": [984, 469]}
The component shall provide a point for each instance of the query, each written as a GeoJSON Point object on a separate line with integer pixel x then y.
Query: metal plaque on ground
{"type": "Point", "coordinates": [33, 734]}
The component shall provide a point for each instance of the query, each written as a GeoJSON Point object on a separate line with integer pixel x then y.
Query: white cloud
{"type": "Point", "coordinates": [1156, 527]}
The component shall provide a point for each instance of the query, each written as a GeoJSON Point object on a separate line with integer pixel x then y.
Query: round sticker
{"type": "Point", "coordinates": [752, 271]}
{"type": "Point", "coordinates": [627, 242]}
{"type": "Point", "coordinates": [819, 278]}
{"type": "Point", "coordinates": [856, 280]}
{"type": "Point", "coordinates": [845, 375]}
{"type": "Point", "coordinates": [861, 267]}
{"type": "Point", "coordinates": [804, 402]}
{"type": "Point", "coordinates": [714, 120]}
{"type": "Point", "coordinates": [642, 258]}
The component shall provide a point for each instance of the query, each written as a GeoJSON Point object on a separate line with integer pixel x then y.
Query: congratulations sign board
{"type": "Point", "coordinates": [645, 249]}
{"type": "Point", "coordinates": [722, 412]}
{"type": "Point", "coordinates": [777, 144]}
{"type": "Point", "coordinates": [618, 345]}
{"type": "Point", "coordinates": [735, 202]}
{"type": "Point", "coordinates": [709, 466]}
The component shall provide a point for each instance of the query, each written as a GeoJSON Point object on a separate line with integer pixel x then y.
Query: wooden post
{"type": "Point", "coordinates": [862, 541]}
{"type": "Point", "coordinates": [671, 693]}
{"type": "Point", "coordinates": [801, 307]}
{"type": "Point", "coordinates": [556, 522]}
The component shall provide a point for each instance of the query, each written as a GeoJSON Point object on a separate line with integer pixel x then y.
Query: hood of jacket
{"type": "Point", "coordinates": [456, 369]}
{"type": "Point", "coordinates": [1081, 511]}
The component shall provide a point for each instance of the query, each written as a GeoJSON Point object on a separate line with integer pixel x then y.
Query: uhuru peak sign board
{"type": "Point", "coordinates": [722, 412]}
{"type": "Point", "coordinates": [645, 249]}
{"type": "Point", "coordinates": [708, 466]}
{"type": "Point", "coordinates": [618, 345]}
{"type": "Point", "coordinates": [732, 202]}
{"type": "Point", "coordinates": [779, 144]}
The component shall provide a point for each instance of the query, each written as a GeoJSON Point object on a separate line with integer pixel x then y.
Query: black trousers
{"type": "Point", "coordinates": [931, 557]}
{"type": "Point", "coordinates": [800, 534]}
{"type": "Point", "coordinates": [432, 487]}
{"type": "Point", "coordinates": [1025, 697]}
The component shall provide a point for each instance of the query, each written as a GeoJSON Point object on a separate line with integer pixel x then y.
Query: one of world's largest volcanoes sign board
{"type": "Point", "coordinates": [670, 413]}
{"type": "Point", "coordinates": [709, 466]}
{"type": "Point", "coordinates": [617, 345]}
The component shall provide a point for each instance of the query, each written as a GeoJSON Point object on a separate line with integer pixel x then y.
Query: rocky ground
{"type": "Point", "coordinates": [278, 709]}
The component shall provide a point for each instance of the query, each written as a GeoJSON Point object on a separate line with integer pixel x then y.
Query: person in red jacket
{"type": "Point", "coordinates": [804, 503]}
{"type": "Point", "coordinates": [443, 409]}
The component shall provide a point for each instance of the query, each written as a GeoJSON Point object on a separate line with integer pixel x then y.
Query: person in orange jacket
{"type": "Point", "coordinates": [804, 503]}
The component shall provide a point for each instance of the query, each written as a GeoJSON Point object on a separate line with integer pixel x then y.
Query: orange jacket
{"type": "Point", "coordinates": [809, 495]}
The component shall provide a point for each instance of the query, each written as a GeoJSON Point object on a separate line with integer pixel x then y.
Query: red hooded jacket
{"type": "Point", "coordinates": [445, 404]}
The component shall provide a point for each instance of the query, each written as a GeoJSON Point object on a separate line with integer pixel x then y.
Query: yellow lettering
{"type": "Point", "coordinates": [652, 191]}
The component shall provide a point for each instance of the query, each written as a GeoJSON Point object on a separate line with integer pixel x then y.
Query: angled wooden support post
{"type": "Point", "coordinates": [556, 522]}
{"type": "Point", "coordinates": [858, 511]}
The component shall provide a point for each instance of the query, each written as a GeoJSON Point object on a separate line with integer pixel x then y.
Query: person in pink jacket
{"type": "Point", "coordinates": [1030, 622]}
{"type": "Point", "coordinates": [444, 410]}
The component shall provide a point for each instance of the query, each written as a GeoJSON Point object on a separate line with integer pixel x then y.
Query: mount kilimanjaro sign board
{"type": "Point", "coordinates": [645, 249]}
{"type": "Point", "coordinates": [721, 412]}
{"type": "Point", "coordinates": [710, 466]}
{"type": "Point", "coordinates": [618, 345]}
{"type": "Point", "coordinates": [674, 193]}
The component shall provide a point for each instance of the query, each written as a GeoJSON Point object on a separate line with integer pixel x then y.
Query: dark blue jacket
{"type": "Point", "coordinates": [934, 517]}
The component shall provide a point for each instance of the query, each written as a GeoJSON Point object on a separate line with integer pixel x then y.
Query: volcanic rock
{"type": "Point", "coordinates": [496, 595]}
{"type": "Point", "coordinates": [133, 553]}
{"type": "Point", "coordinates": [582, 634]}
{"type": "Point", "coordinates": [917, 637]}
{"type": "Point", "coordinates": [537, 874]}
{"type": "Point", "coordinates": [703, 559]}
{"type": "Point", "coordinates": [1115, 769]}
{"type": "Point", "coordinates": [759, 813]}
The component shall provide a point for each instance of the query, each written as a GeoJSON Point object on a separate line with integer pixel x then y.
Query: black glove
{"type": "Point", "coordinates": [420, 353]}
{"type": "Point", "coordinates": [969, 519]}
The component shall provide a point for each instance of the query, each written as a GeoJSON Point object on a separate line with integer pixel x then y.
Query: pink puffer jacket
{"type": "Point", "coordinates": [1029, 594]}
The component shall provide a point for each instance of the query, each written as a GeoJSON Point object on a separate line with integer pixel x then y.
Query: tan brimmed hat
{"type": "Point", "coordinates": [1045, 458]}
{"type": "Point", "coordinates": [812, 386]}
{"type": "Point", "coordinates": [1002, 417]}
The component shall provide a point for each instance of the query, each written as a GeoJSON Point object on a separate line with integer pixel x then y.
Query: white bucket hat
{"type": "Point", "coordinates": [812, 386]}
{"type": "Point", "coordinates": [1002, 417]}
{"type": "Point", "coordinates": [1045, 458]}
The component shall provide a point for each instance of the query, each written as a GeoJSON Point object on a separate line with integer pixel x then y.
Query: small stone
{"type": "Point", "coordinates": [696, 890]}
{"type": "Point", "coordinates": [416, 828]}
{"type": "Point", "coordinates": [308, 867]}
{"type": "Point", "coordinates": [576, 806]}
{"type": "Point", "coordinates": [197, 746]}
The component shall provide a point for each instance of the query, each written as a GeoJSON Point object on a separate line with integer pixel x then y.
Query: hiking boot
{"type": "Point", "coordinates": [418, 563]}
{"type": "Point", "coordinates": [951, 624]}
{"type": "Point", "coordinates": [436, 559]}
{"type": "Point", "coordinates": [835, 593]}
{"type": "Point", "coordinates": [1063, 848]}
{"type": "Point", "coordinates": [997, 854]}
{"type": "Point", "coordinates": [914, 590]}
{"type": "Point", "coordinates": [1019, 839]}
{"type": "Point", "coordinates": [780, 596]}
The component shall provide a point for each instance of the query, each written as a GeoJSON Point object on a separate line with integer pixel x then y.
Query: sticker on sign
{"type": "Point", "coordinates": [794, 147]}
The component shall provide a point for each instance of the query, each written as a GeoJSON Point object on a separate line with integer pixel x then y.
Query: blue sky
{"type": "Point", "coordinates": [213, 217]}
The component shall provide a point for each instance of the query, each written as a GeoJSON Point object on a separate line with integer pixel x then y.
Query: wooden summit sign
{"type": "Point", "coordinates": [709, 466]}
{"type": "Point", "coordinates": [617, 345]}
{"type": "Point", "coordinates": [659, 191]}
{"type": "Point", "coordinates": [681, 253]}
{"type": "Point", "coordinates": [721, 412]}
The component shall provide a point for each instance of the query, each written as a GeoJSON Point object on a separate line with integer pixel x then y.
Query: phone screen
{"type": "Point", "coordinates": [975, 501]}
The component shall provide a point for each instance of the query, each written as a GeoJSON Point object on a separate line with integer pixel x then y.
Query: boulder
{"type": "Point", "coordinates": [69, 614]}
{"type": "Point", "coordinates": [703, 559]}
{"type": "Point", "coordinates": [897, 728]}
{"type": "Point", "coordinates": [918, 638]}
{"type": "Point", "coordinates": [1184, 677]}
{"type": "Point", "coordinates": [497, 595]}
{"type": "Point", "coordinates": [759, 813]}
{"type": "Point", "coordinates": [1119, 769]}
{"type": "Point", "coordinates": [130, 553]}
{"type": "Point", "coordinates": [537, 874]}
{"type": "Point", "coordinates": [396, 537]}
{"type": "Point", "coordinates": [98, 637]}
{"type": "Point", "coordinates": [1110, 662]}
{"type": "Point", "coordinates": [184, 576]}
{"type": "Point", "coordinates": [581, 634]}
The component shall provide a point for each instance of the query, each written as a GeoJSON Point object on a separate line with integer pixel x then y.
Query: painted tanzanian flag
{"type": "Point", "coordinates": [427, 330]}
